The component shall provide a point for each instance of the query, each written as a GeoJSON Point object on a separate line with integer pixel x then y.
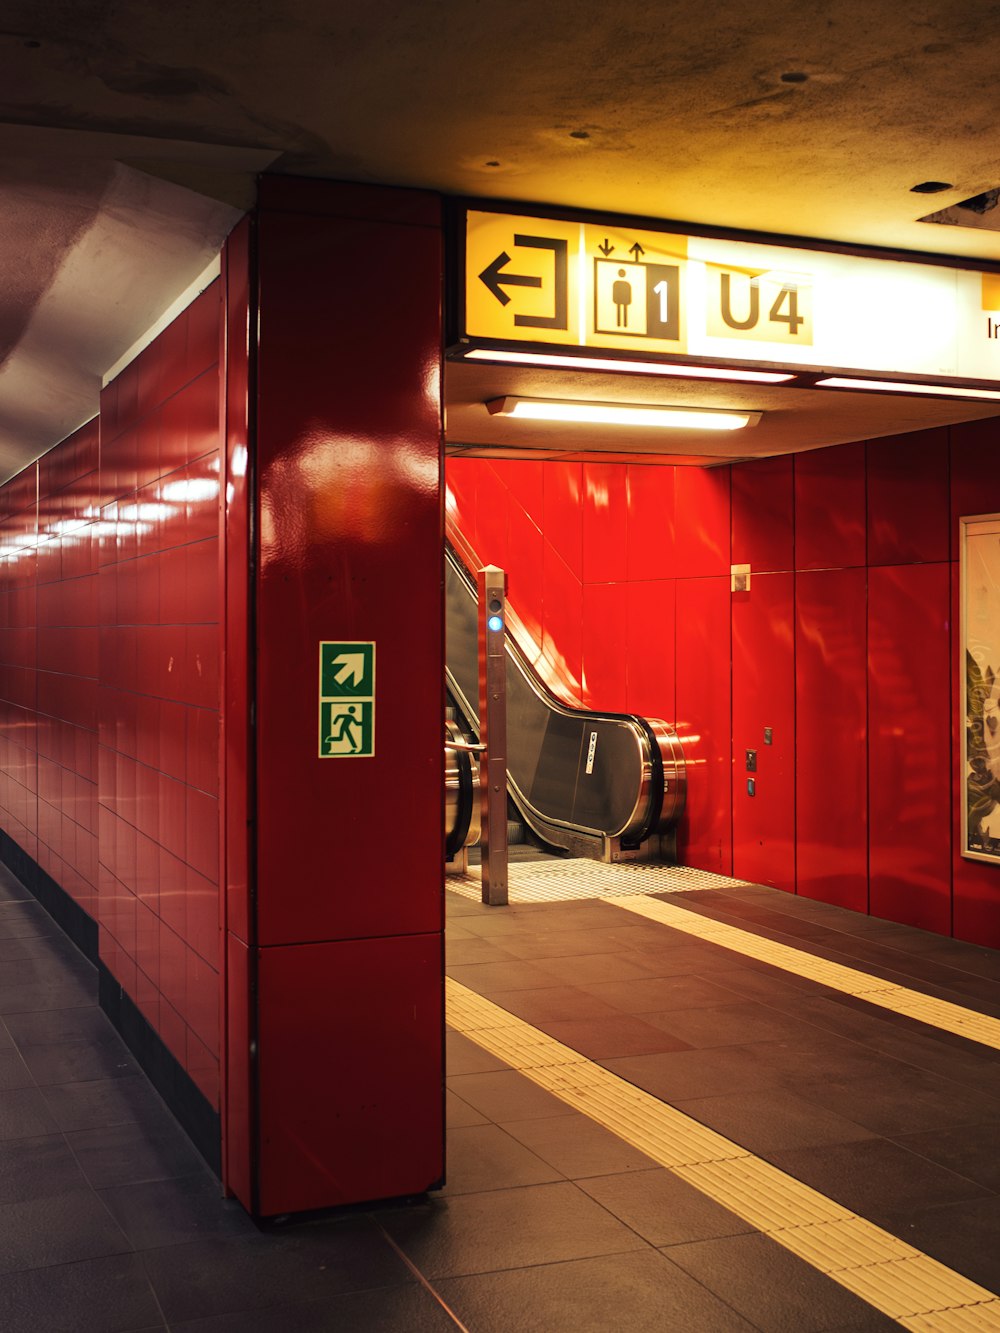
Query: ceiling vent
{"type": "Point", "coordinates": [980, 212]}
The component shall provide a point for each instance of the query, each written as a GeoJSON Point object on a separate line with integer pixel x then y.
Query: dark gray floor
{"type": "Point", "coordinates": [109, 1220]}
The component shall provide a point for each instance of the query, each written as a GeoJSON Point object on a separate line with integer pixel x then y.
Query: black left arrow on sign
{"type": "Point", "coordinates": [495, 279]}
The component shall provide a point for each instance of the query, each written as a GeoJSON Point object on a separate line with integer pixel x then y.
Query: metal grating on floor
{"type": "Point", "coordinates": [558, 881]}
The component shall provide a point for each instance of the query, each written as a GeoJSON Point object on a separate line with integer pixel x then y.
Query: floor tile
{"type": "Point", "coordinates": [77, 1062]}
{"type": "Point", "coordinates": [411, 1308]}
{"type": "Point", "coordinates": [14, 1073]}
{"type": "Point", "coordinates": [973, 1151]}
{"type": "Point", "coordinates": [38, 1168]}
{"type": "Point", "coordinates": [108, 1295]}
{"type": "Point", "coordinates": [772, 1288]}
{"type": "Point", "coordinates": [875, 1178]}
{"type": "Point", "coordinates": [480, 1233]}
{"type": "Point", "coordinates": [663, 1209]}
{"type": "Point", "coordinates": [25, 1114]}
{"type": "Point", "coordinates": [772, 1120]}
{"type": "Point", "coordinates": [171, 1212]}
{"type": "Point", "coordinates": [965, 1236]}
{"type": "Point", "coordinates": [485, 1157]}
{"type": "Point", "coordinates": [102, 1102]}
{"type": "Point", "coordinates": [911, 1101]}
{"type": "Point", "coordinates": [553, 1003]}
{"type": "Point", "coordinates": [652, 995]}
{"type": "Point", "coordinates": [642, 1292]}
{"type": "Point", "coordinates": [59, 1229]}
{"type": "Point", "coordinates": [604, 1038]}
{"type": "Point", "coordinates": [463, 1056]}
{"type": "Point", "coordinates": [505, 1096]}
{"type": "Point", "coordinates": [513, 974]}
{"type": "Point", "coordinates": [458, 1113]}
{"type": "Point", "coordinates": [55, 1026]}
{"type": "Point", "coordinates": [129, 1153]}
{"type": "Point", "coordinates": [578, 1146]}
{"type": "Point", "coordinates": [680, 1075]}
{"type": "Point", "coordinates": [214, 1276]}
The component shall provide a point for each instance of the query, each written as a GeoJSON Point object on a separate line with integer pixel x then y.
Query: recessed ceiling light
{"type": "Point", "coordinates": [557, 362]}
{"type": "Point", "coordinates": [930, 187]}
{"type": "Point", "coordinates": [896, 386]}
{"type": "Point", "coordinates": [620, 414]}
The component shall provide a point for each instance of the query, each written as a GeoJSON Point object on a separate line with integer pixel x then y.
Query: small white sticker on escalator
{"type": "Point", "coordinates": [591, 751]}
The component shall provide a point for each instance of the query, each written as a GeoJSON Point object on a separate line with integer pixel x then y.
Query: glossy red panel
{"type": "Point", "coordinates": [909, 744]}
{"type": "Point", "coordinates": [524, 563]}
{"type": "Point", "coordinates": [831, 788]}
{"type": "Point", "coordinates": [975, 477]}
{"type": "Point", "coordinates": [562, 619]}
{"type": "Point", "coordinates": [763, 621]}
{"type": "Point", "coordinates": [908, 498]}
{"type": "Point", "coordinates": [650, 648]}
{"type": "Point", "coordinates": [702, 523]}
{"type": "Point", "coordinates": [704, 721]}
{"type": "Point", "coordinates": [336, 1128]}
{"type": "Point", "coordinates": [492, 506]}
{"type": "Point", "coordinates": [605, 523]}
{"type": "Point", "coordinates": [649, 497]}
{"type": "Point", "coordinates": [525, 482]}
{"type": "Point", "coordinates": [605, 659]}
{"type": "Point", "coordinates": [762, 517]}
{"type": "Point", "coordinates": [830, 507]}
{"type": "Point", "coordinates": [355, 443]}
{"type": "Point", "coordinates": [562, 516]}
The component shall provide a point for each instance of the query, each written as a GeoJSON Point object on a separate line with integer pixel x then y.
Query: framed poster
{"type": "Point", "coordinates": [979, 669]}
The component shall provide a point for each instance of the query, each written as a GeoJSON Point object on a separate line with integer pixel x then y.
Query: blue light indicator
{"type": "Point", "coordinates": [495, 623]}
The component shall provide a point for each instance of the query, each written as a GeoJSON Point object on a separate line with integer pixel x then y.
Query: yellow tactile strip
{"type": "Point", "coordinates": [849, 980]}
{"type": "Point", "coordinates": [905, 1284]}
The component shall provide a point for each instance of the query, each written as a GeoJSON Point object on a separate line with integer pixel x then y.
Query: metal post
{"type": "Point", "coordinates": [493, 732]}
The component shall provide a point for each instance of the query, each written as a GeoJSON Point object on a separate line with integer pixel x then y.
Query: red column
{"type": "Point", "coordinates": [343, 952]}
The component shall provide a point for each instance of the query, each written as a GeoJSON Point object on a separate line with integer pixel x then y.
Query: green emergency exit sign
{"type": "Point", "coordinates": [346, 699]}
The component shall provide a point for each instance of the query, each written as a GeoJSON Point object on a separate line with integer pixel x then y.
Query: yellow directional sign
{"type": "Point", "coordinates": [522, 278]}
{"type": "Point", "coordinates": [608, 285]}
{"type": "Point", "coordinates": [635, 289]}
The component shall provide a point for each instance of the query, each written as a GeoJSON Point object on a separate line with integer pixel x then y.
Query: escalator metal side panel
{"type": "Point", "coordinates": [577, 776]}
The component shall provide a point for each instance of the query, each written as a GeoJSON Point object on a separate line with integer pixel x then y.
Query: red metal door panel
{"type": "Point", "coordinates": [909, 745]}
{"type": "Point", "coordinates": [350, 1068]}
{"type": "Point", "coordinates": [975, 477]}
{"type": "Point", "coordinates": [831, 796]}
{"type": "Point", "coordinates": [762, 514]}
{"type": "Point", "coordinates": [908, 498]}
{"type": "Point", "coordinates": [764, 697]}
{"type": "Point", "coordinates": [704, 722]}
{"type": "Point", "coordinates": [349, 443]}
{"type": "Point", "coordinates": [830, 519]}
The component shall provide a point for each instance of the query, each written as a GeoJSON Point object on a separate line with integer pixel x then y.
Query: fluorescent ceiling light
{"type": "Point", "coordinates": [896, 386]}
{"type": "Point", "coordinates": [620, 414]}
{"type": "Point", "coordinates": [625, 367]}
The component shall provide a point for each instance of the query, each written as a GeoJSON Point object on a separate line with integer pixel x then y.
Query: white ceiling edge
{"type": "Point", "coordinates": [150, 241]}
{"type": "Point", "coordinates": [190, 293]}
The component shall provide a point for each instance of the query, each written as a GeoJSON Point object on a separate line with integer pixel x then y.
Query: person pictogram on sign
{"type": "Point", "coordinates": [621, 294]}
{"type": "Point", "coordinates": [343, 729]}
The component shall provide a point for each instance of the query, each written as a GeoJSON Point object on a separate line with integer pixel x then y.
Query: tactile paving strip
{"type": "Point", "coordinates": [558, 881]}
{"type": "Point", "coordinates": [909, 1286]}
{"type": "Point", "coordinates": [927, 1009]}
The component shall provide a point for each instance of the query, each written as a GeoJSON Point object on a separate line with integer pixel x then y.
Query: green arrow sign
{"type": "Point", "coordinates": [346, 699]}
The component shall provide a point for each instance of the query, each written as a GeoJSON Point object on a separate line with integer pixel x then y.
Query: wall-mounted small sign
{"type": "Point", "coordinates": [346, 699]}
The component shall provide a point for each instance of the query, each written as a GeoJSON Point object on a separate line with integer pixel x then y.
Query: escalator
{"type": "Point", "coordinates": [601, 785]}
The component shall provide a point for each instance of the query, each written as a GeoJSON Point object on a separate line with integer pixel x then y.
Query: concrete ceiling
{"type": "Point", "coordinates": [130, 136]}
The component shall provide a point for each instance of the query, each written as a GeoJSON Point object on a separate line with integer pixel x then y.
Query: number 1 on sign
{"type": "Point", "coordinates": [661, 291]}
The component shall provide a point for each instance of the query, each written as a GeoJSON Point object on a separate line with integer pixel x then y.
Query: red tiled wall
{"type": "Point", "coordinates": [109, 689]}
{"type": "Point", "coordinates": [158, 752]}
{"type": "Point", "coordinates": [845, 647]}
